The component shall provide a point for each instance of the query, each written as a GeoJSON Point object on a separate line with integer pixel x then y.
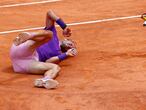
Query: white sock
{"type": "Point", "coordinates": [46, 78]}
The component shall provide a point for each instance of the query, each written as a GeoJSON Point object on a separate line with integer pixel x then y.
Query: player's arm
{"type": "Point", "coordinates": [57, 59]}
{"type": "Point", "coordinates": [53, 60]}
{"type": "Point", "coordinates": [63, 56]}
{"type": "Point", "coordinates": [65, 28]}
{"type": "Point", "coordinates": [52, 17]}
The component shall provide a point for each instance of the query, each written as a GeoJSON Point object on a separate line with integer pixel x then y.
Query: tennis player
{"type": "Point", "coordinates": [39, 52]}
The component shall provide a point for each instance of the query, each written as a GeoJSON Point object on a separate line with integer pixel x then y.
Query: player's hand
{"type": "Point", "coordinates": [71, 52]}
{"type": "Point", "coordinates": [67, 32]}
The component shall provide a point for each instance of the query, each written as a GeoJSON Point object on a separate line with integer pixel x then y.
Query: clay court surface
{"type": "Point", "coordinates": [109, 72]}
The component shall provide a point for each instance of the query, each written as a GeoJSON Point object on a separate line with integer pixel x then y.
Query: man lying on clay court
{"type": "Point", "coordinates": [39, 52]}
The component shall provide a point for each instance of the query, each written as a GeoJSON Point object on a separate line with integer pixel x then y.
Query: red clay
{"type": "Point", "coordinates": [109, 72]}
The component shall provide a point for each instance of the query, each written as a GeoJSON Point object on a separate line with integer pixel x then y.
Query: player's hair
{"type": "Point", "coordinates": [67, 44]}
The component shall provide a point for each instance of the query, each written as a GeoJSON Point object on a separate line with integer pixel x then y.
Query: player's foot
{"type": "Point", "coordinates": [47, 83]}
{"type": "Point", "coordinates": [39, 82]}
{"type": "Point", "coordinates": [51, 84]}
{"type": "Point", "coordinates": [21, 38]}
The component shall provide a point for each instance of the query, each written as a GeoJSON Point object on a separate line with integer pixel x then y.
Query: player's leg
{"type": "Point", "coordinates": [38, 36]}
{"type": "Point", "coordinates": [49, 70]}
{"type": "Point", "coordinates": [30, 42]}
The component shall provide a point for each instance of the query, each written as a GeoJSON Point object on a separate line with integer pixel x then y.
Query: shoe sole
{"type": "Point", "coordinates": [38, 83]}
{"type": "Point", "coordinates": [50, 84]}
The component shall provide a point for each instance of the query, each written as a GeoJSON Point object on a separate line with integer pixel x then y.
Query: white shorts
{"type": "Point", "coordinates": [21, 57]}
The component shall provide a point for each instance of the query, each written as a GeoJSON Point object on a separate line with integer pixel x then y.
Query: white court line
{"type": "Point", "coordinates": [26, 4]}
{"type": "Point", "coordinates": [72, 24]}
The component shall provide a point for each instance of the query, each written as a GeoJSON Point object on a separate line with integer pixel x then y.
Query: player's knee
{"type": "Point", "coordinates": [57, 68]}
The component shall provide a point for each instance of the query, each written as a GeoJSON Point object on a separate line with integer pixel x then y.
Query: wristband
{"type": "Point", "coordinates": [62, 56]}
{"type": "Point", "coordinates": [61, 23]}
